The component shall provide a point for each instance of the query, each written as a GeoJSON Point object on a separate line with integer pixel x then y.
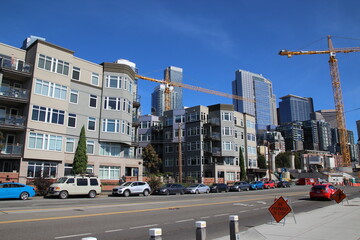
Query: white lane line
{"type": "Point", "coordinates": [115, 230]}
{"type": "Point", "coordinates": [71, 236]}
{"type": "Point", "coordinates": [205, 217]}
{"type": "Point", "coordinates": [146, 226]}
{"type": "Point", "coordinates": [244, 211]}
{"type": "Point", "coordinates": [220, 215]}
{"type": "Point", "coordinates": [264, 207]}
{"type": "Point", "coordinates": [185, 220]}
{"type": "Point", "coordinates": [256, 209]}
{"type": "Point", "coordinates": [262, 202]}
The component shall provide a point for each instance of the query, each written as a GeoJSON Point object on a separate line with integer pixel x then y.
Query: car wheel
{"type": "Point", "coordinates": [167, 192]}
{"type": "Point", "coordinates": [24, 196]}
{"type": "Point", "coordinates": [226, 190]}
{"type": "Point", "coordinates": [92, 194]}
{"type": "Point", "coordinates": [247, 189]}
{"type": "Point", "coordinates": [182, 193]}
{"type": "Point", "coordinates": [217, 191]}
{"type": "Point", "coordinates": [63, 194]}
{"type": "Point", "coordinates": [207, 191]}
{"type": "Point", "coordinates": [126, 193]}
{"type": "Point", "coordinates": [239, 189]}
{"type": "Point", "coordinates": [146, 193]}
{"type": "Point", "coordinates": [197, 192]}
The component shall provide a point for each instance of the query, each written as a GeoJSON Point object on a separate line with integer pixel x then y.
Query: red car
{"type": "Point", "coordinates": [269, 184]}
{"type": "Point", "coordinates": [323, 191]}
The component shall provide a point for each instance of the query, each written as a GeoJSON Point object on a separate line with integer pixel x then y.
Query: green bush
{"type": "Point", "coordinates": [154, 183]}
{"type": "Point", "coordinates": [42, 185]}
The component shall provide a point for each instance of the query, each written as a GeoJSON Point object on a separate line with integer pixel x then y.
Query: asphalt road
{"type": "Point", "coordinates": [107, 217]}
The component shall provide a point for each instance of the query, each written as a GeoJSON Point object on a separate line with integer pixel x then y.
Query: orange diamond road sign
{"type": "Point", "coordinates": [338, 196]}
{"type": "Point", "coordinates": [279, 209]}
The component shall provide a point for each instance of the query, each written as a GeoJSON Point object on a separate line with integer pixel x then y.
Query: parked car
{"type": "Point", "coordinates": [132, 188]}
{"type": "Point", "coordinates": [16, 190]}
{"type": "Point", "coordinates": [75, 185]}
{"type": "Point", "coordinates": [197, 188]}
{"type": "Point", "coordinates": [256, 185]}
{"type": "Point", "coordinates": [283, 184]}
{"type": "Point", "coordinates": [240, 186]}
{"type": "Point", "coordinates": [170, 189]}
{"type": "Point", "coordinates": [322, 191]}
{"type": "Point", "coordinates": [219, 187]}
{"type": "Point", "coordinates": [269, 184]}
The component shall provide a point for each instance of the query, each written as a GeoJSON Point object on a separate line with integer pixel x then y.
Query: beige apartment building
{"type": "Point", "coordinates": [47, 95]}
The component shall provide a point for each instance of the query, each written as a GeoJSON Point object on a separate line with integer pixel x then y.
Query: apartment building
{"type": "Point", "coordinates": [47, 95]}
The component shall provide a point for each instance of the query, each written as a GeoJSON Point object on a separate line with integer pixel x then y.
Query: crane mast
{"type": "Point", "coordinates": [336, 86]}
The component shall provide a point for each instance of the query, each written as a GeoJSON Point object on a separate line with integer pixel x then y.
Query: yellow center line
{"type": "Point", "coordinates": [138, 211]}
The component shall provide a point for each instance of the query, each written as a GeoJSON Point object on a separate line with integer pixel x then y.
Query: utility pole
{"type": "Point", "coordinates": [269, 158]}
{"type": "Point", "coordinates": [179, 153]}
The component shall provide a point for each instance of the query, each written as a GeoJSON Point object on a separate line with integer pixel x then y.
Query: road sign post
{"type": "Point", "coordinates": [279, 209]}
{"type": "Point", "coordinates": [339, 196]}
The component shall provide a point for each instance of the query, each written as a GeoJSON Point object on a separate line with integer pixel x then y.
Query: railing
{"type": "Point", "coordinates": [214, 121]}
{"type": "Point", "coordinates": [12, 120]}
{"type": "Point", "coordinates": [15, 64]}
{"type": "Point", "coordinates": [12, 149]}
{"type": "Point", "coordinates": [14, 92]}
{"type": "Point", "coordinates": [214, 136]}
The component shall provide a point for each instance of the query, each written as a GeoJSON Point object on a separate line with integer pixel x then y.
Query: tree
{"type": "Point", "coordinates": [152, 162]}
{"type": "Point", "coordinates": [282, 160]}
{"type": "Point", "coordinates": [261, 161]}
{"type": "Point", "coordinates": [242, 166]}
{"type": "Point", "coordinates": [80, 158]}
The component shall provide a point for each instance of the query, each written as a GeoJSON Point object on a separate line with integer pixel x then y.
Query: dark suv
{"type": "Point", "coordinates": [219, 187]}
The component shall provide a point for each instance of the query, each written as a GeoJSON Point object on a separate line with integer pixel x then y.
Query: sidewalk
{"type": "Point", "coordinates": [338, 221]}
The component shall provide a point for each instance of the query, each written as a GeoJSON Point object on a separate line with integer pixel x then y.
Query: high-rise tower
{"type": "Point", "coordinates": [294, 108]}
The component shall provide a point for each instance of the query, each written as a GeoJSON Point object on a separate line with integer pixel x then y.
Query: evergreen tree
{"type": "Point", "coordinates": [242, 166]}
{"type": "Point", "coordinates": [152, 162]}
{"type": "Point", "coordinates": [80, 158]}
{"type": "Point", "coordinates": [261, 161]}
{"type": "Point", "coordinates": [282, 160]}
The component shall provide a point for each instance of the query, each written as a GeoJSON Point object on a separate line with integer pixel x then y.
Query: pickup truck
{"type": "Point", "coordinates": [256, 185]}
{"type": "Point", "coordinates": [269, 184]}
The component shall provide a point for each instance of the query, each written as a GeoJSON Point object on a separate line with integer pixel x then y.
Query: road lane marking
{"type": "Point", "coordinates": [115, 230]}
{"type": "Point", "coordinates": [137, 211]}
{"type": "Point", "coordinates": [205, 217]}
{"type": "Point", "coordinates": [261, 202]}
{"type": "Point", "coordinates": [221, 215]}
{"type": "Point", "coordinates": [244, 211]}
{"type": "Point", "coordinates": [72, 236]}
{"type": "Point", "coordinates": [185, 220]}
{"type": "Point", "coordinates": [145, 226]}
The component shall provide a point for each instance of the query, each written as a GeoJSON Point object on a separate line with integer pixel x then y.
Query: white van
{"type": "Point", "coordinates": [75, 185]}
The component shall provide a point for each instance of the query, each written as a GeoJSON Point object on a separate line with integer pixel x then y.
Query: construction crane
{"type": "Point", "coordinates": [168, 85]}
{"type": "Point", "coordinates": [338, 99]}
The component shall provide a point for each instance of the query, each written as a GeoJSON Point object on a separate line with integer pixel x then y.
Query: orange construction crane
{"type": "Point", "coordinates": [338, 99]}
{"type": "Point", "coordinates": [168, 84]}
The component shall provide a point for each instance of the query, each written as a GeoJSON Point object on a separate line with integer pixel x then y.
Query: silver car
{"type": "Point", "coordinates": [197, 188]}
{"type": "Point", "coordinates": [132, 188]}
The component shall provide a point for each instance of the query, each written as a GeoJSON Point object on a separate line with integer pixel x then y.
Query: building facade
{"type": "Point", "coordinates": [294, 108]}
{"type": "Point", "coordinates": [254, 86]}
{"type": "Point", "coordinates": [175, 74]}
{"type": "Point", "coordinates": [47, 95]}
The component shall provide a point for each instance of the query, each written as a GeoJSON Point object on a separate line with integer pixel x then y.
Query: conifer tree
{"type": "Point", "coordinates": [80, 157]}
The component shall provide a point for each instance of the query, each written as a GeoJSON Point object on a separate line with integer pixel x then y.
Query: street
{"type": "Point", "coordinates": [107, 217]}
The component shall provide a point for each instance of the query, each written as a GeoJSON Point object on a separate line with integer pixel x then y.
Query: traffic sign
{"type": "Point", "coordinates": [338, 196]}
{"type": "Point", "coordinates": [279, 209]}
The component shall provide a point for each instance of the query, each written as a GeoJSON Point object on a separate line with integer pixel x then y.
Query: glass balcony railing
{"type": "Point", "coordinates": [12, 120]}
{"type": "Point", "coordinates": [14, 92]}
{"type": "Point", "coordinates": [12, 149]}
{"type": "Point", "coordinates": [16, 64]}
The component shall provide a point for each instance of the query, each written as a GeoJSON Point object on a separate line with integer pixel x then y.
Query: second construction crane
{"type": "Point", "coordinates": [338, 99]}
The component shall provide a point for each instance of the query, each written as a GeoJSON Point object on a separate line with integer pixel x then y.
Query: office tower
{"type": "Point", "coordinates": [311, 136]}
{"type": "Point", "coordinates": [255, 87]}
{"type": "Point", "coordinates": [294, 108]}
{"type": "Point", "coordinates": [47, 95]}
{"type": "Point", "coordinates": [175, 74]}
{"type": "Point", "coordinates": [358, 129]}
{"type": "Point", "coordinates": [293, 135]}
{"type": "Point", "coordinates": [328, 116]}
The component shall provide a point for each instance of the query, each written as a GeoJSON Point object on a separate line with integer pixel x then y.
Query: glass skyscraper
{"type": "Point", "coordinates": [255, 86]}
{"type": "Point", "coordinates": [294, 108]}
{"type": "Point", "coordinates": [158, 96]}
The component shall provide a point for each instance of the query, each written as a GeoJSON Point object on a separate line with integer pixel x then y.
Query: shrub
{"type": "Point", "coordinates": [154, 182]}
{"type": "Point", "coordinates": [42, 185]}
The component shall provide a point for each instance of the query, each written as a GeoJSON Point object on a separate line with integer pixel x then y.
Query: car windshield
{"type": "Point", "coordinates": [61, 180]}
{"type": "Point", "coordinates": [253, 183]}
{"type": "Point", "coordinates": [126, 184]}
{"type": "Point", "coordinates": [319, 187]}
{"type": "Point", "coordinates": [194, 185]}
{"type": "Point", "coordinates": [167, 185]}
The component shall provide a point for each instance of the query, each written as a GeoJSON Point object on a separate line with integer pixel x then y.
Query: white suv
{"type": "Point", "coordinates": [75, 185]}
{"type": "Point", "coordinates": [132, 188]}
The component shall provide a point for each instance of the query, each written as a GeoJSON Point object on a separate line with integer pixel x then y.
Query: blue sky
{"type": "Point", "coordinates": [209, 39]}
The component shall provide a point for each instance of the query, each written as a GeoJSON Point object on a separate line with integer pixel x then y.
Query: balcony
{"type": "Point", "coordinates": [14, 94]}
{"type": "Point", "coordinates": [214, 121]}
{"type": "Point", "coordinates": [14, 68]}
{"type": "Point", "coordinates": [11, 151]}
{"type": "Point", "coordinates": [213, 136]}
{"type": "Point", "coordinates": [136, 102]}
{"type": "Point", "coordinates": [12, 122]}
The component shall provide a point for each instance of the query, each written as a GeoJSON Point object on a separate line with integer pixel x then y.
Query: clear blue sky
{"type": "Point", "coordinates": [209, 39]}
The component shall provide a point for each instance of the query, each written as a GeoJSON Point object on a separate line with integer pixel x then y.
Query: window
{"type": "Point", "coordinates": [38, 113]}
{"type": "Point", "coordinates": [169, 162]}
{"type": "Point", "coordinates": [91, 124]}
{"type": "Point", "coordinates": [50, 89]}
{"type": "Point", "coordinates": [68, 170]}
{"type": "Point", "coordinates": [81, 182]}
{"type": "Point", "coordinates": [193, 161]}
{"type": "Point", "coordinates": [56, 117]}
{"type": "Point", "coordinates": [70, 145]}
{"type": "Point", "coordinates": [226, 116]}
{"type": "Point", "coordinates": [111, 125]}
{"type": "Point", "coordinates": [76, 73]}
{"type": "Point", "coordinates": [113, 81]}
{"type": "Point", "coordinates": [42, 169]}
{"type": "Point", "coordinates": [93, 182]}
{"type": "Point", "coordinates": [179, 118]}
{"type": "Point", "coordinates": [72, 120]}
{"type": "Point", "coordinates": [227, 146]}
{"type": "Point", "coordinates": [95, 79]}
{"type": "Point", "coordinates": [45, 142]}
{"type": "Point", "coordinates": [227, 131]}
{"type": "Point", "coordinates": [74, 96]}
{"type": "Point", "coordinates": [90, 146]}
{"type": "Point", "coordinates": [49, 115]}
{"type": "Point", "coordinates": [110, 149]}
{"type": "Point", "coordinates": [93, 100]}
{"type": "Point", "coordinates": [53, 65]}
{"type": "Point", "coordinates": [228, 161]}
{"type": "Point", "coordinates": [109, 172]}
